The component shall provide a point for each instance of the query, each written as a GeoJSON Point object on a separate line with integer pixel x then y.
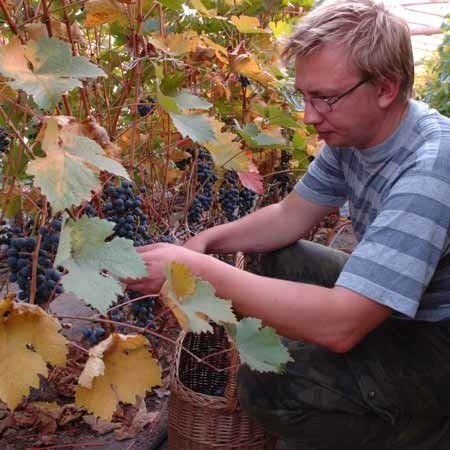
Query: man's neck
{"type": "Point", "coordinates": [389, 124]}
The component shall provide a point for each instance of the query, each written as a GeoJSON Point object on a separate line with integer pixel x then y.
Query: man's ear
{"type": "Point", "coordinates": [387, 91]}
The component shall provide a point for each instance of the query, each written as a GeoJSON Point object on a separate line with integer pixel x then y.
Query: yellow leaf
{"type": "Point", "coordinates": [168, 298]}
{"type": "Point", "coordinates": [104, 11]}
{"type": "Point", "coordinates": [226, 153]}
{"type": "Point", "coordinates": [29, 339]}
{"type": "Point", "coordinates": [38, 30]}
{"type": "Point", "coordinates": [247, 24]}
{"type": "Point", "coordinates": [200, 7]}
{"type": "Point", "coordinates": [181, 278]}
{"type": "Point", "coordinates": [246, 65]}
{"type": "Point", "coordinates": [176, 44]}
{"type": "Point", "coordinates": [180, 283]}
{"type": "Point", "coordinates": [107, 378]}
{"type": "Point", "coordinates": [220, 51]}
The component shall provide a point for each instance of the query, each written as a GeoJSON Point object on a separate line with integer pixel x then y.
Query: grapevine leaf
{"type": "Point", "coordinates": [281, 28]}
{"type": "Point", "coordinates": [196, 127]}
{"type": "Point", "coordinates": [192, 301]}
{"type": "Point", "coordinates": [176, 44]}
{"type": "Point", "coordinates": [226, 153]}
{"type": "Point", "coordinates": [255, 138]}
{"type": "Point", "coordinates": [260, 347]}
{"type": "Point", "coordinates": [169, 104]}
{"type": "Point", "coordinates": [202, 303]}
{"type": "Point", "coordinates": [252, 180]}
{"type": "Point", "coordinates": [29, 339]}
{"type": "Point", "coordinates": [90, 256]}
{"type": "Point", "coordinates": [107, 379]}
{"type": "Point", "coordinates": [201, 8]}
{"type": "Point", "coordinates": [274, 115]}
{"type": "Point", "coordinates": [104, 11]}
{"type": "Point", "coordinates": [245, 64]}
{"type": "Point", "coordinates": [186, 100]}
{"type": "Point", "coordinates": [172, 4]}
{"type": "Point", "coordinates": [181, 280]}
{"type": "Point", "coordinates": [66, 174]}
{"type": "Point", "coordinates": [247, 24]}
{"type": "Point", "coordinates": [45, 69]}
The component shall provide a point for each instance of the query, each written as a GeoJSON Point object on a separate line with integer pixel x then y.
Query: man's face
{"type": "Point", "coordinates": [353, 119]}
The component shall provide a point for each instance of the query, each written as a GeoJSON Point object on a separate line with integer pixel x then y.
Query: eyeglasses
{"type": "Point", "coordinates": [324, 105]}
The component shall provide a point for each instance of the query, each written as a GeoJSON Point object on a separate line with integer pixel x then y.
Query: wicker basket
{"type": "Point", "coordinates": [204, 413]}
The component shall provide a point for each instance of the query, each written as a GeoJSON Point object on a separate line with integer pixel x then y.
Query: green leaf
{"type": "Point", "coordinates": [196, 127]}
{"type": "Point", "coordinates": [93, 263]}
{"type": "Point", "coordinates": [171, 82]}
{"type": "Point", "coordinates": [66, 174]}
{"type": "Point", "coordinates": [260, 348]}
{"type": "Point", "coordinates": [255, 138]}
{"type": "Point", "coordinates": [45, 69]}
{"type": "Point", "coordinates": [204, 301]}
{"type": "Point", "coordinates": [167, 103]}
{"type": "Point", "coordinates": [186, 100]}
{"type": "Point", "coordinates": [172, 4]}
{"type": "Point", "coordinates": [276, 116]}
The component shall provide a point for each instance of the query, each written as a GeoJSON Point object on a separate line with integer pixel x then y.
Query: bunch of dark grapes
{"type": "Point", "coordinates": [20, 251]}
{"type": "Point", "coordinates": [93, 334]}
{"type": "Point", "coordinates": [146, 106]}
{"type": "Point", "coordinates": [4, 141]}
{"type": "Point", "coordinates": [122, 206]}
{"type": "Point", "coordinates": [247, 201]}
{"type": "Point", "coordinates": [139, 313]}
{"type": "Point", "coordinates": [244, 81]}
{"type": "Point", "coordinates": [282, 176]}
{"type": "Point", "coordinates": [205, 181]}
{"type": "Point", "coordinates": [235, 202]}
{"type": "Point", "coordinates": [229, 196]}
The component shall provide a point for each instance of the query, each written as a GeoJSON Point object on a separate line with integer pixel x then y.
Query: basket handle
{"type": "Point", "coordinates": [231, 389]}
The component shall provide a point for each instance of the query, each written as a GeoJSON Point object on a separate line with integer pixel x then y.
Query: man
{"type": "Point", "coordinates": [370, 333]}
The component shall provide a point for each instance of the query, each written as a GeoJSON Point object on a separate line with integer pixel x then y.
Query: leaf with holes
{"type": "Point", "coordinates": [260, 347]}
{"type": "Point", "coordinates": [66, 175]}
{"type": "Point", "coordinates": [225, 151]}
{"type": "Point", "coordinates": [107, 379]}
{"type": "Point", "coordinates": [247, 24]}
{"type": "Point", "coordinates": [45, 69]}
{"type": "Point", "coordinates": [197, 127]}
{"type": "Point", "coordinates": [29, 339]}
{"type": "Point", "coordinates": [93, 264]}
{"type": "Point", "coordinates": [193, 301]}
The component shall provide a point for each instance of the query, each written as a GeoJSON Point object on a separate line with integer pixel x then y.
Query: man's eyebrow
{"type": "Point", "coordinates": [313, 93]}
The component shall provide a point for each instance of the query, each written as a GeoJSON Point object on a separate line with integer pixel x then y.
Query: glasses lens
{"type": "Point", "coordinates": [320, 105]}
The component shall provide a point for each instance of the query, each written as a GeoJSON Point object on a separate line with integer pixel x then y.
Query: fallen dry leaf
{"type": "Point", "coordinates": [141, 419]}
{"type": "Point", "coordinates": [99, 425]}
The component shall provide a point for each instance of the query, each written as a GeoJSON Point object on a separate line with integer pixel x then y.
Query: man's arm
{"type": "Point", "coordinates": [267, 229]}
{"type": "Point", "coordinates": [336, 318]}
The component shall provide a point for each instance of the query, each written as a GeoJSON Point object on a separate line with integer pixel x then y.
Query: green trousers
{"type": "Point", "coordinates": [391, 391]}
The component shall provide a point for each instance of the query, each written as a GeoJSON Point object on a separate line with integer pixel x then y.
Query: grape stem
{"type": "Point", "coordinates": [141, 330]}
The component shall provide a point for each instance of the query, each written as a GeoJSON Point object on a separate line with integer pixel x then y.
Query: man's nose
{"type": "Point", "coordinates": [311, 116]}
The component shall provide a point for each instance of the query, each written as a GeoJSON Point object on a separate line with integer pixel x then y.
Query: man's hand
{"type": "Point", "coordinates": [156, 258]}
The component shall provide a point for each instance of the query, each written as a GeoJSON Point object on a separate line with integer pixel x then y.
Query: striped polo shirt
{"type": "Point", "coordinates": [399, 197]}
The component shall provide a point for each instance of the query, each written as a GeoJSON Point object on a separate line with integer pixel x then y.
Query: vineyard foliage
{"type": "Point", "coordinates": [125, 123]}
{"type": "Point", "coordinates": [433, 85]}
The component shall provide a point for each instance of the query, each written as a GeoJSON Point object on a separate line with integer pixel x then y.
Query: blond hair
{"type": "Point", "coordinates": [378, 42]}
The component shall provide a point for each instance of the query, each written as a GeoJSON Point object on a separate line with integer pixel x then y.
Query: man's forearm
{"type": "Point", "coordinates": [333, 318]}
{"type": "Point", "coordinates": [267, 229]}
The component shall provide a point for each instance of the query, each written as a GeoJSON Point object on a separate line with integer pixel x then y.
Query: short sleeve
{"type": "Point", "coordinates": [401, 249]}
{"type": "Point", "coordinates": [324, 182]}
